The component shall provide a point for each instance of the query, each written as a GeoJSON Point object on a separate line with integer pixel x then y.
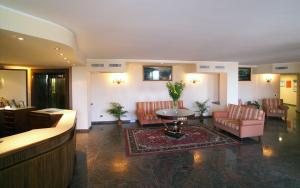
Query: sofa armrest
{"type": "Point", "coordinates": [251, 122]}
{"type": "Point", "coordinates": [140, 115]}
{"type": "Point", "coordinates": [220, 114]}
{"type": "Point", "coordinates": [284, 107]}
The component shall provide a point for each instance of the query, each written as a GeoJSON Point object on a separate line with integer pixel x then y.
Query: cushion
{"type": "Point", "coordinates": [233, 124]}
{"type": "Point", "coordinates": [251, 114]}
{"type": "Point", "coordinates": [234, 111]}
{"type": "Point", "coordinates": [150, 117]}
{"type": "Point", "coordinates": [276, 111]}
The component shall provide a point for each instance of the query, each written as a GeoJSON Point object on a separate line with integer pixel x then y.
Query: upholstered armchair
{"type": "Point", "coordinates": [274, 108]}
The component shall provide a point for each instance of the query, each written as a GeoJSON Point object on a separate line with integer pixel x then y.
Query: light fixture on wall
{"type": "Point", "coordinates": [193, 78]}
{"type": "Point", "coordinates": [118, 78]}
{"type": "Point", "coordinates": [268, 77]}
{"type": "Point", "coordinates": [2, 82]}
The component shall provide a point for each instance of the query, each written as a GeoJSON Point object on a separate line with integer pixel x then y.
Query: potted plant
{"type": "Point", "coordinates": [202, 108]}
{"type": "Point", "coordinates": [175, 91]}
{"type": "Point", "coordinates": [254, 103]}
{"type": "Point", "coordinates": [117, 110]}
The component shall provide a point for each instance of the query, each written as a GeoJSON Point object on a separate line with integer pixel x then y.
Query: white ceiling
{"type": "Point", "coordinates": [33, 51]}
{"type": "Point", "coordinates": [248, 31]}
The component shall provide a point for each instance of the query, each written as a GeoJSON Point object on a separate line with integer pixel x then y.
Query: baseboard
{"type": "Point", "coordinates": [136, 121]}
{"type": "Point", "coordinates": [108, 122]}
{"type": "Point", "coordinates": [83, 130]}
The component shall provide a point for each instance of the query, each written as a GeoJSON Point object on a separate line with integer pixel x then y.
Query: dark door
{"type": "Point", "coordinates": [50, 89]}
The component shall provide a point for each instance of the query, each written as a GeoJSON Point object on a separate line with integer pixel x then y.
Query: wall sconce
{"type": "Point", "coordinates": [193, 78]}
{"type": "Point", "coordinates": [2, 82]}
{"type": "Point", "coordinates": [118, 78]}
{"type": "Point", "coordinates": [268, 78]}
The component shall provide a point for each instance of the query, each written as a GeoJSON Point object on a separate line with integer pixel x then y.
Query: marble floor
{"type": "Point", "coordinates": [275, 162]}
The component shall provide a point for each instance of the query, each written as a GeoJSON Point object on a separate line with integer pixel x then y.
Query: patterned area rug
{"type": "Point", "coordinates": [141, 141]}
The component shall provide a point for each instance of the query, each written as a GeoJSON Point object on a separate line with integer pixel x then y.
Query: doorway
{"type": "Point", "coordinates": [288, 88]}
{"type": "Point", "coordinates": [50, 89]}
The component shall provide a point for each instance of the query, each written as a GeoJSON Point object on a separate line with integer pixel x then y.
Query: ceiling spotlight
{"type": "Point", "coordinates": [61, 54]}
{"type": "Point", "coordinates": [20, 38]}
{"type": "Point", "coordinates": [65, 58]}
{"type": "Point", "coordinates": [57, 48]}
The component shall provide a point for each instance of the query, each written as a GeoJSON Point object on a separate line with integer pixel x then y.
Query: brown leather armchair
{"type": "Point", "coordinates": [274, 108]}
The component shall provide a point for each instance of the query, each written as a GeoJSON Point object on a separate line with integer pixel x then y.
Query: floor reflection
{"type": "Point", "coordinates": [273, 162]}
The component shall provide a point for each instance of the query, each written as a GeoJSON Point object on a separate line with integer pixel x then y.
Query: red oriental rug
{"type": "Point", "coordinates": [141, 141]}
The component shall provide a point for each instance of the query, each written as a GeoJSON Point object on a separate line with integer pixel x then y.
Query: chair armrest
{"type": "Point", "coordinates": [220, 114]}
{"type": "Point", "coordinates": [265, 108]}
{"type": "Point", "coordinates": [251, 122]}
{"type": "Point", "coordinates": [284, 107]}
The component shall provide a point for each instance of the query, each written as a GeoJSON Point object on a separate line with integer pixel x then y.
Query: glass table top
{"type": "Point", "coordinates": [174, 113]}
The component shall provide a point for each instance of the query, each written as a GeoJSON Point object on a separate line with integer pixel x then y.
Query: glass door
{"type": "Point", "coordinates": [50, 90]}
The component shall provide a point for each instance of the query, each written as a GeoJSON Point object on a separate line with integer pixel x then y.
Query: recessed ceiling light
{"type": "Point", "coordinates": [20, 38]}
{"type": "Point", "coordinates": [61, 54]}
{"type": "Point", "coordinates": [57, 48]}
{"type": "Point", "coordinates": [65, 58]}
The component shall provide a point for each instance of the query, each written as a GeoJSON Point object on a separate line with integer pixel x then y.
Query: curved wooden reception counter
{"type": "Point", "coordinates": [40, 157]}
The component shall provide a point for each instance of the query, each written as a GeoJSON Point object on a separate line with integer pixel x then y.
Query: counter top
{"type": "Point", "coordinates": [23, 141]}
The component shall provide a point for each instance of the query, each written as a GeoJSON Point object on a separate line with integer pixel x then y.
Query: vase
{"type": "Point", "coordinates": [175, 105]}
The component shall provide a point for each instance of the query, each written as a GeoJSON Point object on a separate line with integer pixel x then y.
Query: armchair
{"type": "Point", "coordinates": [274, 108]}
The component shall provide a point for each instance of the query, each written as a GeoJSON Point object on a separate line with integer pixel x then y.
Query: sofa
{"type": "Point", "coordinates": [145, 111]}
{"type": "Point", "coordinates": [274, 107]}
{"type": "Point", "coordinates": [241, 121]}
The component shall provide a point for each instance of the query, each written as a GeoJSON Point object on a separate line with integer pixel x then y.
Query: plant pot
{"type": "Point", "coordinates": [119, 122]}
{"type": "Point", "coordinates": [201, 118]}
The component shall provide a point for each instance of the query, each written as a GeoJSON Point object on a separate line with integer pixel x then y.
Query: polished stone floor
{"type": "Point", "coordinates": [275, 162]}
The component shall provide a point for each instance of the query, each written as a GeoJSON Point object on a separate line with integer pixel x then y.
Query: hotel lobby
{"type": "Point", "coordinates": [149, 94]}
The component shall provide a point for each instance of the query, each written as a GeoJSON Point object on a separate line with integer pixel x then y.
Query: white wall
{"type": "Point", "coordinates": [13, 84]}
{"type": "Point", "coordinates": [103, 91]}
{"type": "Point", "coordinates": [258, 88]}
{"type": "Point", "coordinates": [289, 95]}
{"type": "Point", "coordinates": [80, 96]}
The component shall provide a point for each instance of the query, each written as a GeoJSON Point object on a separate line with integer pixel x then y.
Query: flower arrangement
{"type": "Point", "coordinates": [175, 91]}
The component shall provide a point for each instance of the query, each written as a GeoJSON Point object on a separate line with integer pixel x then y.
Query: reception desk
{"type": "Point", "coordinates": [42, 157]}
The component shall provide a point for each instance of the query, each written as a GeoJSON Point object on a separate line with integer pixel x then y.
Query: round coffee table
{"type": "Point", "coordinates": [179, 116]}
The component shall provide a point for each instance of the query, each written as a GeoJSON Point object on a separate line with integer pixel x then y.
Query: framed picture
{"type": "Point", "coordinates": [282, 83]}
{"type": "Point", "coordinates": [288, 84]}
{"type": "Point", "coordinates": [244, 74]}
{"type": "Point", "coordinates": [295, 85]}
{"type": "Point", "coordinates": [157, 73]}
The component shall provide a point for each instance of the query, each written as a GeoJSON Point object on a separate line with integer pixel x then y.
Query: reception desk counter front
{"type": "Point", "coordinates": [40, 157]}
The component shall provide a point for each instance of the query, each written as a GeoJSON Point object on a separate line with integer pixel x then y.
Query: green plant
{"type": "Point", "coordinates": [202, 107]}
{"type": "Point", "coordinates": [117, 110]}
{"type": "Point", "coordinates": [254, 103]}
{"type": "Point", "coordinates": [175, 90]}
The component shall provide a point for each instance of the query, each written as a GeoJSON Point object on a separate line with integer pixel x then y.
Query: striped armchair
{"type": "Point", "coordinates": [274, 108]}
{"type": "Point", "coordinates": [241, 121]}
{"type": "Point", "coordinates": [145, 111]}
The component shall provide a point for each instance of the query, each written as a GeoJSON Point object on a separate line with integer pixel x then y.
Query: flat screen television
{"type": "Point", "coordinates": [157, 73]}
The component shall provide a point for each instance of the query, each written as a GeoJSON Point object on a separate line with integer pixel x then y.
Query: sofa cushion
{"type": "Point", "coordinates": [150, 117]}
{"type": "Point", "coordinates": [231, 123]}
{"type": "Point", "coordinates": [276, 111]}
{"type": "Point", "coordinates": [234, 111]}
{"type": "Point", "coordinates": [251, 114]}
